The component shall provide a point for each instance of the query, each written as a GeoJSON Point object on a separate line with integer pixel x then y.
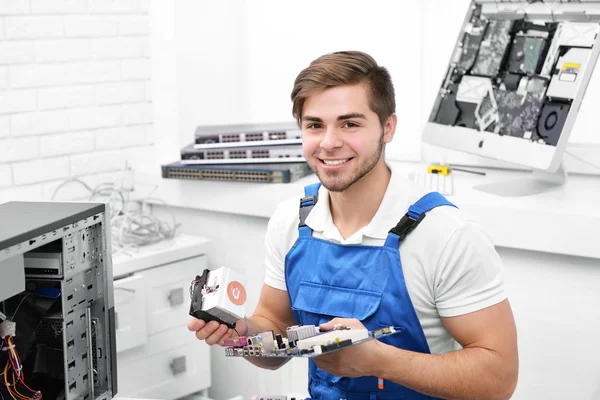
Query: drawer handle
{"type": "Point", "coordinates": [125, 289]}
{"type": "Point", "coordinates": [176, 297]}
{"type": "Point", "coordinates": [178, 365]}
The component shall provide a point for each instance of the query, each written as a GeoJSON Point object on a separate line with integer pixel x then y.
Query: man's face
{"type": "Point", "coordinates": [342, 137]}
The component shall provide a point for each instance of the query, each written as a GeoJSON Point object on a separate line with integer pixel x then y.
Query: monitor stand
{"type": "Point", "coordinates": [538, 182]}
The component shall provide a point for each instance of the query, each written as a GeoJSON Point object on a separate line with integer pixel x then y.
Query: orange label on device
{"type": "Point", "coordinates": [236, 293]}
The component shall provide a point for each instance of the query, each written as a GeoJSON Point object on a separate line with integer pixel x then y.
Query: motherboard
{"type": "Point", "coordinates": [302, 341]}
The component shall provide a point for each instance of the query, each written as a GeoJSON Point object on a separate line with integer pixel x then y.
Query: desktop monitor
{"type": "Point", "coordinates": [514, 85]}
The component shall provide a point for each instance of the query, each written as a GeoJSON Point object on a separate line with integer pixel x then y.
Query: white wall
{"type": "Point", "coordinates": [237, 60]}
{"type": "Point", "coordinates": [554, 300]}
{"type": "Point", "coordinates": [75, 93]}
{"type": "Point", "coordinates": [283, 38]}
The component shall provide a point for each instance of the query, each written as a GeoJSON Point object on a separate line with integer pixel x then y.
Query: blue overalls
{"type": "Point", "coordinates": [326, 280]}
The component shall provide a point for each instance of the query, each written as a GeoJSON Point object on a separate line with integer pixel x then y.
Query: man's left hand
{"type": "Point", "coordinates": [354, 361]}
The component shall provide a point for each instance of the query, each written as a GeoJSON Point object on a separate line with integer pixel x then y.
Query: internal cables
{"type": "Point", "coordinates": [132, 226]}
{"type": "Point", "coordinates": [13, 374]}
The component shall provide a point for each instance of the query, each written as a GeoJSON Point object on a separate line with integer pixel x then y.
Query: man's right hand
{"type": "Point", "coordinates": [273, 313]}
{"type": "Point", "coordinates": [214, 333]}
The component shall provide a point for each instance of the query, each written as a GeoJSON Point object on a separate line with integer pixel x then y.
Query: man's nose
{"type": "Point", "coordinates": [332, 139]}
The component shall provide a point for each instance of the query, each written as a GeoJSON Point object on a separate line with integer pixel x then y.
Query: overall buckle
{"type": "Point", "coordinates": [308, 201]}
{"type": "Point", "coordinates": [406, 225]}
{"type": "Point", "coordinates": [306, 205]}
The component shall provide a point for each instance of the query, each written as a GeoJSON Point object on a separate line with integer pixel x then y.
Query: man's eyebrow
{"type": "Point", "coordinates": [340, 118]}
{"type": "Point", "coordinates": [351, 116]}
{"type": "Point", "coordinates": [313, 119]}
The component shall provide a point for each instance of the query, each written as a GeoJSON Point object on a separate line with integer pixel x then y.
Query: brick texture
{"type": "Point", "coordinates": [75, 93]}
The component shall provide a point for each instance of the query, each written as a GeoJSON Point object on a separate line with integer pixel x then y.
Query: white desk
{"type": "Point", "coordinates": [552, 222]}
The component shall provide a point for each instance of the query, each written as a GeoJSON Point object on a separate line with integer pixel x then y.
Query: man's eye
{"type": "Point", "coordinates": [314, 126]}
{"type": "Point", "coordinates": [350, 125]}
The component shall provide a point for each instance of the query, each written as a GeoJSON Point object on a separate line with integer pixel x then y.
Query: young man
{"type": "Point", "coordinates": [343, 257]}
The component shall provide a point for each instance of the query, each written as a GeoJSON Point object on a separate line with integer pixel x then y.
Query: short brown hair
{"type": "Point", "coordinates": [346, 68]}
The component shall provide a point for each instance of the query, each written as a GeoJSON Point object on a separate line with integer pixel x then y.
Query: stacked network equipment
{"type": "Point", "coordinates": [270, 153]}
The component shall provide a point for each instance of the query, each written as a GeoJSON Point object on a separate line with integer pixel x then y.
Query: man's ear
{"type": "Point", "coordinates": [389, 128]}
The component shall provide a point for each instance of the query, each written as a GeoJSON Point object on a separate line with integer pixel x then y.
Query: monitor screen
{"type": "Point", "coordinates": [516, 80]}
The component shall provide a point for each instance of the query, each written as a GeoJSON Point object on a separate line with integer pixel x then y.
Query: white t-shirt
{"type": "Point", "coordinates": [450, 265]}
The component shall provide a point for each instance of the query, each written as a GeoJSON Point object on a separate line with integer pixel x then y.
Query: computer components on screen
{"type": "Point", "coordinates": [517, 75]}
{"type": "Point", "coordinates": [218, 295]}
{"type": "Point", "coordinates": [301, 341]}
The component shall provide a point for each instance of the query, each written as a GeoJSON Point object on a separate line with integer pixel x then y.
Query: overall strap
{"type": "Point", "coordinates": [306, 205]}
{"type": "Point", "coordinates": [414, 216]}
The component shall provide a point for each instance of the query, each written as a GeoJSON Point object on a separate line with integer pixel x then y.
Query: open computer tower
{"type": "Point", "coordinates": [56, 285]}
{"type": "Point", "coordinates": [514, 85]}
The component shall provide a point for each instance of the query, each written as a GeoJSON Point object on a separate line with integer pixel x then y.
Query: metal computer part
{"type": "Point", "coordinates": [40, 264]}
{"type": "Point", "coordinates": [565, 83]}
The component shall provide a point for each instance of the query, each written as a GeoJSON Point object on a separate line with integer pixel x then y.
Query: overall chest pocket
{"type": "Point", "coordinates": [317, 303]}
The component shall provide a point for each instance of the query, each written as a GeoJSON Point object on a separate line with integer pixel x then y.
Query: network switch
{"type": "Point", "coordinates": [226, 136]}
{"type": "Point", "coordinates": [243, 155]}
{"type": "Point", "coordinates": [260, 173]}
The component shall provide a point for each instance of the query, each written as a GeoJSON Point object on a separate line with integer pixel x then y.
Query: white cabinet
{"type": "Point", "coordinates": [157, 357]}
{"type": "Point", "coordinates": [170, 366]}
{"type": "Point", "coordinates": [130, 312]}
{"type": "Point", "coordinates": [169, 293]}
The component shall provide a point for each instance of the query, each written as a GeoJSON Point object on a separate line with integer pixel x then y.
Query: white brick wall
{"type": "Point", "coordinates": [120, 137]}
{"type": "Point", "coordinates": [5, 175]}
{"type": "Point", "coordinates": [90, 26]}
{"type": "Point", "coordinates": [33, 27]}
{"type": "Point", "coordinates": [14, 7]}
{"type": "Point", "coordinates": [16, 52]}
{"type": "Point", "coordinates": [4, 127]}
{"type": "Point", "coordinates": [136, 69]}
{"type": "Point", "coordinates": [13, 101]}
{"type": "Point", "coordinates": [58, 6]}
{"type": "Point", "coordinates": [75, 94]}
{"type": "Point", "coordinates": [3, 78]}
{"type": "Point", "coordinates": [40, 170]}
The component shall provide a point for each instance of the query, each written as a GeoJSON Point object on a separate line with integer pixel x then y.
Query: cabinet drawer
{"type": "Point", "coordinates": [161, 343]}
{"type": "Point", "coordinates": [168, 290]}
{"type": "Point", "coordinates": [130, 312]}
{"type": "Point", "coordinates": [167, 375]}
